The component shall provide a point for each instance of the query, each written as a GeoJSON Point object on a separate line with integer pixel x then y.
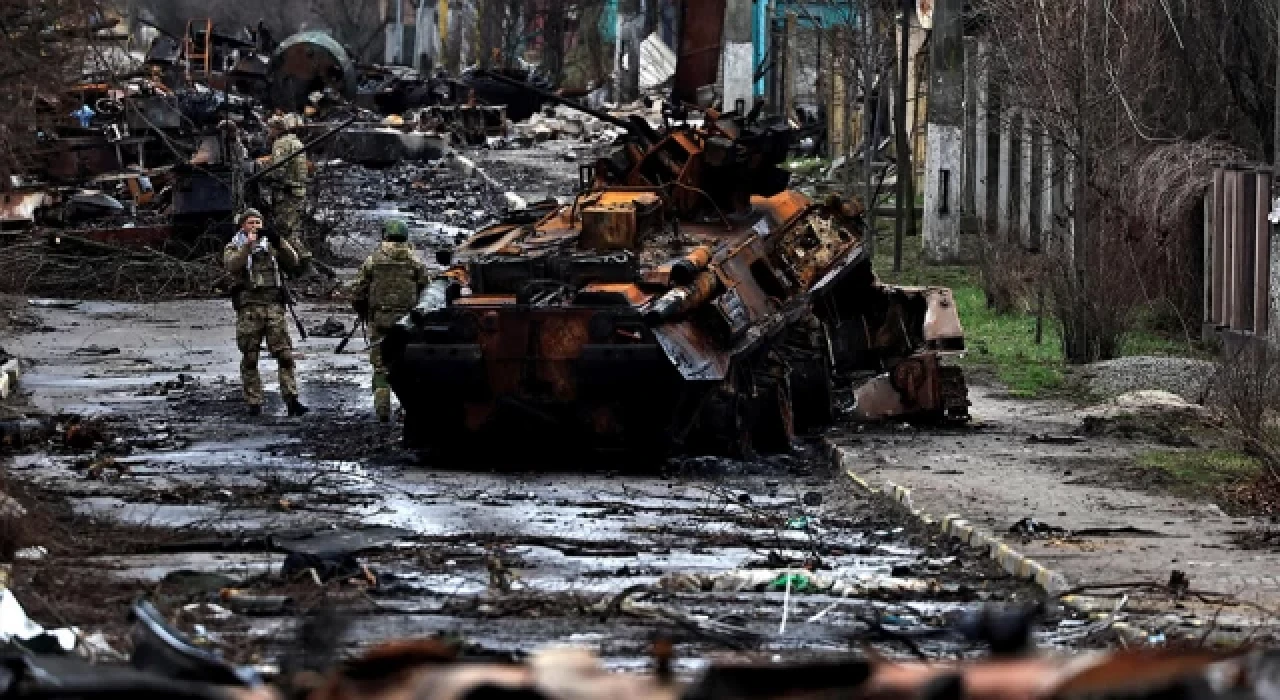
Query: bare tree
{"type": "Point", "coordinates": [358, 25]}
{"type": "Point", "coordinates": [1124, 90]}
{"type": "Point", "coordinates": [44, 48]}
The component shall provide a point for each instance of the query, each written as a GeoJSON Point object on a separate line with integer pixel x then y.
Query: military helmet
{"type": "Point", "coordinates": [250, 212]}
{"type": "Point", "coordinates": [278, 123]}
{"type": "Point", "coordinates": [395, 230]}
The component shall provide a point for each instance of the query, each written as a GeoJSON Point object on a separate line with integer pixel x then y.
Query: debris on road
{"type": "Point", "coordinates": [684, 301]}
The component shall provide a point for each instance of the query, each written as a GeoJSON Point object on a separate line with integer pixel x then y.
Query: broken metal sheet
{"type": "Point", "coordinates": [384, 146]}
{"type": "Point", "coordinates": [692, 351]}
{"type": "Point", "coordinates": [657, 62]}
{"type": "Point", "coordinates": [942, 330]}
{"type": "Point", "coordinates": [154, 112]}
{"type": "Point", "coordinates": [349, 541]}
{"type": "Point", "coordinates": [19, 208]}
{"type": "Point", "coordinates": [128, 236]}
{"type": "Point", "coordinates": [307, 60]}
{"type": "Point", "coordinates": [877, 400]}
{"type": "Point", "coordinates": [15, 625]}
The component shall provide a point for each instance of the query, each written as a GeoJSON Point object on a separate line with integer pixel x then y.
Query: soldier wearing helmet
{"type": "Point", "coordinates": [386, 288]}
{"type": "Point", "coordinates": [254, 257]}
{"type": "Point", "coordinates": [288, 184]}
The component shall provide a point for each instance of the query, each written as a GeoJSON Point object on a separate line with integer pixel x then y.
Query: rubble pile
{"type": "Point", "coordinates": [142, 167]}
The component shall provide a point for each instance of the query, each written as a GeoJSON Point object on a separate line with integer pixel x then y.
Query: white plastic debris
{"type": "Point", "coordinates": [31, 553]}
{"type": "Point", "coordinates": [210, 611]}
{"type": "Point", "coordinates": [97, 647]}
{"type": "Point", "coordinates": [14, 624]}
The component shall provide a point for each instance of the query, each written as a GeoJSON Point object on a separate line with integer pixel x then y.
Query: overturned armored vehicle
{"type": "Point", "coordinates": [685, 300]}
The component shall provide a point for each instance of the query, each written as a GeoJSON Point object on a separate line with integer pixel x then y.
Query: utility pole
{"type": "Point", "coordinates": [906, 209]}
{"type": "Point", "coordinates": [399, 33]}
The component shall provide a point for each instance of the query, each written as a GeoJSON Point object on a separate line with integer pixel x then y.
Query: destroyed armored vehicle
{"type": "Point", "coordinates": [684, 300]}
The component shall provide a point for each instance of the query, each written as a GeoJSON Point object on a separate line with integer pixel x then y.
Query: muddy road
{"type": "Point", "coordinates": [240, 526]}
{"type": "Point", "coordinates": [254, 520]}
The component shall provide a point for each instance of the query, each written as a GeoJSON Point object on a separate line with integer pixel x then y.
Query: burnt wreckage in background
{"type": "Point", "coordinates": [685, 300]}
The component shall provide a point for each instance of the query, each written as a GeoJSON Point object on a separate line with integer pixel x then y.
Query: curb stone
{"type": "Point", "coordinates": [956, 527]}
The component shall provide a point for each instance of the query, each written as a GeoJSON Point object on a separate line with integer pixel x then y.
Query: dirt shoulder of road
{"type": "Point", "coordinates": [1109, 506]}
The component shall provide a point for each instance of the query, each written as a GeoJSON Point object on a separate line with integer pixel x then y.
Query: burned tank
{"type": "Point", "coordinates": [684, 301]}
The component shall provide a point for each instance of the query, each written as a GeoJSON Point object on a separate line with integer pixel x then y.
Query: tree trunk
{"type": "Point", "coordinates": [902, 144]}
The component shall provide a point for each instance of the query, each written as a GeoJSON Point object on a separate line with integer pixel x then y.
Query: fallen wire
{"type": "Point", "coordinates": [1206, 597]}
{"type": "Point", "coordinates": [1092, 629]}
{"type": "Point", "coordinates": [889, 635]}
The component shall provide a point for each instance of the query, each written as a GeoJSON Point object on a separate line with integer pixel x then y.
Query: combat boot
{"type": "Point", "coordinates": [295, 406]}
{"type": "Point", "coordinates": [382, 404]}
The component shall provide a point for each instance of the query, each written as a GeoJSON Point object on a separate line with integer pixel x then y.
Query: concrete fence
{"type": "Point", "coordinates": [1004, 176]}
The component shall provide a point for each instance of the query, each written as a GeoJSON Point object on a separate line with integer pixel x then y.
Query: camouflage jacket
{"type": "Point", "coordinates": [257, 270]}
{"type": "Point", "coordinates": [391, 279]}
{"type": "Point", "coordinates": [290, 179]}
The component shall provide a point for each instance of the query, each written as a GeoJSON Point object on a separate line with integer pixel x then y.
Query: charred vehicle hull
{"type": "Point", "coordinates": [684, 300]}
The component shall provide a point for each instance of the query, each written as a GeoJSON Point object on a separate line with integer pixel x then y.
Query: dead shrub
{"type": "Point", "coordinates": [1246, 394]}
{"type": "Point", "coordinates": [1010, 275]}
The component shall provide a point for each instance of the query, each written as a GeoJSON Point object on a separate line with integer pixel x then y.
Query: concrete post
{"type": "Point", "coordinates": [736, 56]}
{"type": "Point", "coordinates": [397, 35]}
{"type": "Point", "coordinates": [969, 203]}
{"type": "Point", "coordinates": [1026, 182]}
{"type": "Point", "coordinates": [944, 159]}
{"type": "Point", "coordinates": [1004, 183]}
{"type": "Point", "coordinates": [982, 136]}
{"type": "Point", "coordinates": [1046, 191]}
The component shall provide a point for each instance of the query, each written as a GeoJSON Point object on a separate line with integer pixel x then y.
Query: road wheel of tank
{"type": "Point", "coordinates": [812, 393]}
{"type": "Point", "coordinates": [724, 420]}
{"type": "Point", "coordinates": [433, 426]}
{"type": "Point", "coordinates": [774, 426]}
{"type": "Point", "coordinates": [414, 435]}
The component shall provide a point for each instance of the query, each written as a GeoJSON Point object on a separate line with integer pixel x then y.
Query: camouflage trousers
{"type": "Point", "coordinates": [287, 211]}
{"type": "Point", "coordinates": [253, 323]}
{"type": "Point", "coordinates": [379, 324]}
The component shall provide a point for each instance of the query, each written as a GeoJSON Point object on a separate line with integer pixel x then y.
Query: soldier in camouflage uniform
{"type": "Point", "coordinates": [254, 259]}
{"type": "Point", "coordinates": [288, 187]}
{"type": "Point", "coordinates": [387, 288]}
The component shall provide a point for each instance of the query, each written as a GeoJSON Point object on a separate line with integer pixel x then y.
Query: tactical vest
{"type": "Point", "coordinates": [393, 286]}
{"type": "Point", "coordinates": [262, 271]}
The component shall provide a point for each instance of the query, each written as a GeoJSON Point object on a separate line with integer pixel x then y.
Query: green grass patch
{"type": "Point", "coordinates": [1005, 345]}
{"type": "Point", "coordinates": [1199, 472]}
{"type": "Point", "coordinates": [1002, 345]}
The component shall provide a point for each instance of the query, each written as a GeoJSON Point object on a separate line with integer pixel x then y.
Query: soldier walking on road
{"type": "Point", "coordinates": [288, 186]}
{"type": "Point", "coordinates": [254, 257]}
{"type": "Point", "coordinates": [387, 288]}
